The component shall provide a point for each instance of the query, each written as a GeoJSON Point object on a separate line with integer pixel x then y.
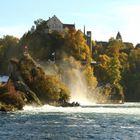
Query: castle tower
{"type": "Point", "coordinates": [89, 40]}
{"type": "Point", "coordinates": [118, 36]}
{"type": "Point", "coordinates": [84, 31]}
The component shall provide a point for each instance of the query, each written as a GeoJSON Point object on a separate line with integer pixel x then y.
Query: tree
{"type": "Point", "coordinates": [76, 46]}
{"type": "Point", "coordinates": [38, 22]}
{"type": "Point", "coordinates": [114, 47]}
{"type": "Point", "coordinates": [131, 77]}
{"type": "Point", "coordinates": [8, 49]}
{"type": "Point", "coordinates": [113, 71]}
{"type": "Point", "coordinates": [101, 69]}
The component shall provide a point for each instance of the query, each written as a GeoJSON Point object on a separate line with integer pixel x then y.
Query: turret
{"type": "Point", "coordinates": [118, 36]}
{"type": "Point", "coordinates": [89, 40]}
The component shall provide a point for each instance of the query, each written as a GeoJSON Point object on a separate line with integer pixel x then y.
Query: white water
{"type": "Point", "coordinates": [97, 122]}
{"type": "Point", "coordinates": [127, 108]}
{"type": "Point", "coordinates": [74, 78]}
{"type": "Point", "coordinates": [78, 88]}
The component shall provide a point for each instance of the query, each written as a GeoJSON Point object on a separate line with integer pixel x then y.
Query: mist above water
{"type": "Point", "coordinates": [79, 89]}
{"type": "Point", "coordinates": [127, 108]}
{"type": "Point", "coordinates": [72, 75]}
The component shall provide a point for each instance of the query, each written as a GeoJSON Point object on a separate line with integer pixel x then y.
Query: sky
{"type": "Point", "coordinates": [103, 17]}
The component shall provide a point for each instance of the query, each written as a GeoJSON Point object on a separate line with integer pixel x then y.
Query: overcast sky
{"type": "Point", "coordinates": [103, 17]}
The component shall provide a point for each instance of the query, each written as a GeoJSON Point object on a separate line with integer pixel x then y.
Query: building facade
{"type": "Point", "coordinates": [54, 24]}
{"type": "Point", "coordinates": [89, 39]}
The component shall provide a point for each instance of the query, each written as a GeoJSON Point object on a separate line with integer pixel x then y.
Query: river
{"type": "Point", "coordinates": [95, 122]}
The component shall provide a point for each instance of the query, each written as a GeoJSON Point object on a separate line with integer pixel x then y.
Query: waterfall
{"type": "Point", "coordinates": [78, 87]}
{"type": "Point", "coordinates": [71, 74]}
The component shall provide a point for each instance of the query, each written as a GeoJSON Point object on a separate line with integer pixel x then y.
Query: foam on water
{"type": "Point", "coordinates": [96, 122]}
{"type": "Point", "coordinates": [127, 108]}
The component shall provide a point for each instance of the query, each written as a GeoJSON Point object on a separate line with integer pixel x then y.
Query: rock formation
{"type": "Point", "coordinates": [28, 84]}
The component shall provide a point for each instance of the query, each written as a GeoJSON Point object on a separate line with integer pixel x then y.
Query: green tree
{"type": "Point", "coordinates": [113, 71]}
{"type": "Point", "coordinates": [131, 77]}
{"type": "Point", "coordinates": [101, 69]}
{"type": "Point", "coordinates": [75, 45]}
{"type": "Point", "coordinates": [8, 49]}
{"type": "Point", "coordinates": [114, 47]}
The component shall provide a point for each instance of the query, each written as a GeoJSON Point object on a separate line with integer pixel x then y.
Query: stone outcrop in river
{"type": "Point", "coordinates": [28, 84]}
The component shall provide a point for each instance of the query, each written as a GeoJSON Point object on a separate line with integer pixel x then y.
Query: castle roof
{"type": "Point", "coordinates": [54, 17]}
{"type": "Point", "coordinates": [64, 25]}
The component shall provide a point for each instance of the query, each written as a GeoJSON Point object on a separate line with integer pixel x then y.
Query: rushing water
{"type": "Point", "coordinates": [96, 122]}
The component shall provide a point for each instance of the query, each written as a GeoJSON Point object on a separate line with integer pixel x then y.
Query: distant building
{"type": "Point", "coordinates": [54, 24]}
{"type": "Point", "coordinates": [103, 43]}
{"type": "Point", "coordinates": [118, 36]}
{"type": "Point", "coordinates": [88, 37]}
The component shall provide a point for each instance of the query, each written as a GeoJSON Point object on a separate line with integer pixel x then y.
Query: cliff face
{"type": "Point", "coordinates": [47, 88]}
{"type": "Point", "coordinates": [28, 84]}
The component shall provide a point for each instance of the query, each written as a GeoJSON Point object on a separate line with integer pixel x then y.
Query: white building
{"type": "Point", "coordinates": [54, 24]}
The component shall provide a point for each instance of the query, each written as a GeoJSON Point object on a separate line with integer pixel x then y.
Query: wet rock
{"type": "Point", "coordinates": [30, 95]}
{"type": "Point", "coordinates": [28, 84]}
{"type": "Point", "coordinates": [14, 100]}
{"type": "Point", "coordinates": [67, 104]}
{"type": "Point", "coordinates": [7, 108]}
{"type": "Point", "coordinates": [48, 88]}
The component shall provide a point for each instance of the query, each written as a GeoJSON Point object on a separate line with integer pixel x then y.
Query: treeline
{"type": "Point", "coordinates": [119, 68]}
{"type": "Point", "coordinates": [115, 76]}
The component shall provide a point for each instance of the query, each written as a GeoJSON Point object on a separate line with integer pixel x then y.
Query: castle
{"type": "Point", "coordinates": [54, 24]}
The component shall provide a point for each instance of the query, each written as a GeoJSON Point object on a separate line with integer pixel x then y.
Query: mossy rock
{"type": "Point", "coordinates": [47, 88]}
{"type": "Point", "coordinates": [7, 108]}
{"type": "Point", "coordinates": [3, 88]}
{"type": "Point", "coordinates": [51, 89]}
{"type": "Point", "coordinates": [28, 95]}
{"type": "Point", "coordinates": [12, 99]}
